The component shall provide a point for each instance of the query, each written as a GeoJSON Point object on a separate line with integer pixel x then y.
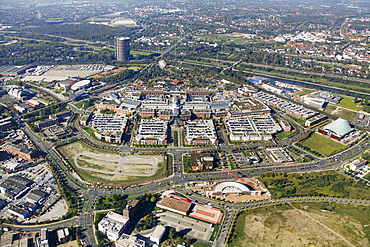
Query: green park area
{"type": "Point", "coordinates": [283, 135]}
{"type": "Point", "coordinates": [302, 224]}
{"type": "Point", "coordinates": [323, 145]}
{"type": "Point", "coordinates": [303, 91]}
{"type": "Point", "coordinates": [348, 102]}
{"type": "Point", "coordinates": [110, 169]}
{"type": "Point", "coordinates": [329, 183]}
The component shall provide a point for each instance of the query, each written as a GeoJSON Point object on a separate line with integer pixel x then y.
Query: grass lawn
{"type": "Point", "coordinates": [303, 91]}
{"type": "Point", "coordinates": [323, 145]}
{"type": "Point", "coordinates": [89, 130]}
{"type": "Point", "coordinates": [186, 163]}
{"type": "Point", "coordinates": [298, 120]}
{"type": "Point", "coordinates": [347, 102]}
{"type": "Point", "coordinates": [80, 104]}
{"type": "Point", "coordinates": [214, 233]}
{"type": "Point", "coordinates": [283, 135]}
{"type": "Point", "coordinates": [303, 160]}
{"type": "Point", "coordinates": [176, 138]}
{"type": "Point", "coordinates": [367, 176]}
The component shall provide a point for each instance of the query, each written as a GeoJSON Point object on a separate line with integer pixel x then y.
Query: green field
{"type": "Point", "coordinates": [89, 130]}
{"type": "Point", "coordinates": [283, 135]}
{"type": "Point", "coordinates": [303, 160]}
{"type": "Point", "coordinates": [347, 102]}
{"type": "Point", "coordinates": [323, 145]}
{"type": "Point", "coordinates": [186, 163]}
{"type": "Point", "coordinates": [302, 224]}
{"type": "Point", "coordinates": [329, 183]}
{"type": "Point", "coordinates": [303, 91]}
{"type": "Point", "coordinates": [299, 121]}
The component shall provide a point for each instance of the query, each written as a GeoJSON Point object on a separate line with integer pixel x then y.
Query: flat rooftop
{"type": "Point", "coordinates": [174, 204]}
{"type": "Point", "coordinates": [206, 213]}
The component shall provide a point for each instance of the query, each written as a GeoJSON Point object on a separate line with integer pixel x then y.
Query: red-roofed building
{"type": "Point", "coordinates": [187, 207]}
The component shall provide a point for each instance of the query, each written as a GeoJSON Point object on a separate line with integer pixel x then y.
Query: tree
{"type": "Point", "coordinates": [172, 233]}
{"type": "Point", "coordinates": [187, 241]}
{"type": "Point", "coordinates": [356, 98]}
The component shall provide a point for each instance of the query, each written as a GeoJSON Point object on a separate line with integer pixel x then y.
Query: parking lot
{"type": "Point", "coordinates": [55, 212]}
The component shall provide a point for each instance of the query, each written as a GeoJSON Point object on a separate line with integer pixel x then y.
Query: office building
{"type": "Point", "coordinates": [112, 225]}
{"type": "Point", "coordinates": [129, 241]}
{"type": "Point", "coordinates": [158, 234]}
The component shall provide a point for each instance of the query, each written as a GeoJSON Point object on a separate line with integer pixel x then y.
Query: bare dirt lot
{"type": "Point", "coordinates": [109, 167]}
{"type": "Point", "coordinates": [301, 225]}
{"type": "Point", "coordinates": [118, 165]}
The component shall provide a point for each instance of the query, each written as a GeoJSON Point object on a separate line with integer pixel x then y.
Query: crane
{"type": "Point", "coordinates": [237, 177]}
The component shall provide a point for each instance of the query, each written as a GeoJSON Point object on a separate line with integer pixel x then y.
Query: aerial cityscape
{"type": "Point", "coordinates": [184, 123]}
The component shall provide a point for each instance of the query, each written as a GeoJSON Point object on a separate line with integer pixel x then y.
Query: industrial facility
{"type": "Point", "coordinates": [122, 45]}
